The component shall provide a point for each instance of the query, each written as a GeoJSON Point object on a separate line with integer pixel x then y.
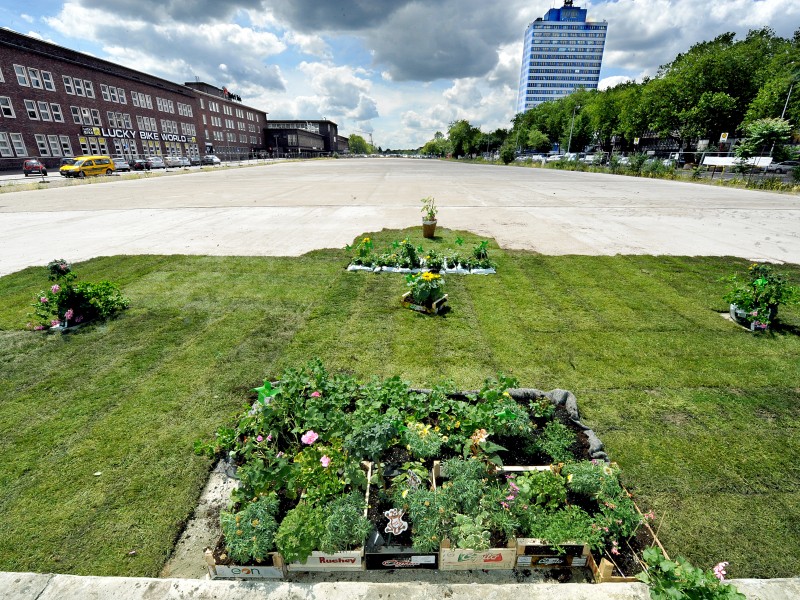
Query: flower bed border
{"type": "Point", "coordinates": [454, 271]}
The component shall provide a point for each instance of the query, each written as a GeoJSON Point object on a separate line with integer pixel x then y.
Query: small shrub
{"type": "Point", "coordinates": [670, 580]}
{"type": "Point", "coordinates": [250, 533]}
{"type": "Point", "coordinates": [300, 532]}
{"type": "Point", "coordinates": [346, 526]}
{"type": "Point", "coordinates": [555, 441]}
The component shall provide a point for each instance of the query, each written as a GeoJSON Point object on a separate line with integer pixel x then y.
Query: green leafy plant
{"type": "Point", "coordinates": [428, 515]}
{"type": "Point", "coordinates": [542, 488]}
{"type": "Point", "coordinates": [250, 533]}
{"type": "Point", "coordinates": [671, 580]}
{"type": "Point", "coordinates": [471, 531]}
{"type": "Point", "coordinates": [426, 288]}
{"type": "Point", "coordinates": [555, 440]}
{"type": "Point", "coordinates": [593, 479]}
{"type": "Point", "coordinates": [364, 250]}
{"type": "Point", "coordinates": [429, 209]}
{"type": "Point", "coordinates": [370, 441]}
{"type": "Point", "coordinates": [300, 532]}
{"type": "Point", "coordinates": [68, 303]}
{"type": "Point", "coordinates": [761, 292]}
{"type": "Point", "coordinates": [434, 261]}
{"type": "Point", "coordinates": [541, 408]}
{"type": "Point", "coordinates": [422, 441]}
{"type": "Point", "coordinates": [346, 527]}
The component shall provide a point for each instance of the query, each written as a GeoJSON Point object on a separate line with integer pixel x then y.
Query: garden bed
{"type": "Point", "coordinates": [459, 479]}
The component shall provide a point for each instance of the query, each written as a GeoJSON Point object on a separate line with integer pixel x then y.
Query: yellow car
{"type": "Point", "coordinates": [88, 165]}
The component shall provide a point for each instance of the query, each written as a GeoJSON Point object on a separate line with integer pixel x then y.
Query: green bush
{"type": "Point", "coordinates": [250, 533]}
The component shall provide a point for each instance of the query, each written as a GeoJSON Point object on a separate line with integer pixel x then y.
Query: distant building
{"type": "Point", "coordinates": [562, 52]}
{"type": "Point", "coordinates": [304, 138]}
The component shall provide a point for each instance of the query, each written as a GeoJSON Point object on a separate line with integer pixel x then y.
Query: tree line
{"type": "Point", "coordinates": [719, 86]}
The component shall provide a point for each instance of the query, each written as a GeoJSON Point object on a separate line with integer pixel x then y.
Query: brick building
{"type": "Point", "coordinates": [307, 138]}
{"type": "Point", "coordinates": [57, 102]}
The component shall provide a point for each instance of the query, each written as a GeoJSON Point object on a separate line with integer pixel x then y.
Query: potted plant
{"type": "Point", "coordinates": [754, 300]}
{"type": "Point", "coordinates": [427, 292]}
{"type": "Point", "coordinates": [429, 211]}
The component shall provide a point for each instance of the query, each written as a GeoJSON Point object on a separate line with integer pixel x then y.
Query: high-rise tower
{"type": "Point", "coordinates": [562, 52]}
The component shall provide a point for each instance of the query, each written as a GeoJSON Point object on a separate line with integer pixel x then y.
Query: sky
{"type": "Point", "coordinates": [393, 71]}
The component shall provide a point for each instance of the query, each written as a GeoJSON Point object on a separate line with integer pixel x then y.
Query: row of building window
{"type": "Point", "coordinates": [44, 111]}
{"type": "Point", "coordinates": [566, 64]}
{"type": "Point", "coordinates": [581, 81]}
{"type": "Point", "coordinates": [561, 78]}
{"type": "Point", "coordinates": [554, 34]}
{"type": "Point", "coordinates": [32, 77]}
{"type": "Point", "coordinates": [571, 27]}
{"type": "Point", "coordinates": [563, 71]}
{"type": "Point", "coordinates": [567, 43]}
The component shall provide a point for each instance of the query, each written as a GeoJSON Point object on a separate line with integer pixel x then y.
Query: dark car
{"type": "Point", "coordinates": [783, 167]}
{"type": "Point", "coordinates": [194, 159]}
{"type": "Point", "coordinates": [32, 166]}
{"type": "Point", "coordinates": [210, 159]}
{"type": "Point", "coordinates": [139, 164]}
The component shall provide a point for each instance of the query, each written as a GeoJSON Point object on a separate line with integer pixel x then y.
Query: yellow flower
{"type": "Point", "coordinates": [569, 477]}
{"type": "Point", "coordinates": [254, 522]}
{"type": "Point", "coordinates": [238, 532]}
{"type": "Point", "coordinates": [607, 470]}
{"type": "Point", "coordinates": [506, 394]}
{"type": "Point", "coordinates": [405, 493]}
{"type": "Point", "coordinates": [366, 240]}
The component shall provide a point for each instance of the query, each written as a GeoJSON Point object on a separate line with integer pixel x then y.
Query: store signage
{"type": "Point", "coordinates": [131, 134]}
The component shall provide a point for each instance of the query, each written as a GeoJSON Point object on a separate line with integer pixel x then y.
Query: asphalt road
{"type": "Point", "coordinates": [289, 208]}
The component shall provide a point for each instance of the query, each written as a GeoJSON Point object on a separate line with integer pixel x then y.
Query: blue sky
{"type": "Point", "coordinates": [397, 69]}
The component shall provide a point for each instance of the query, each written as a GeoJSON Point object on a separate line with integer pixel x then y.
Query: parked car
{"type": "Point", "coordinates": [140, 164]}
{"type": "Point", "coordinates": [185, 161]}
{"type": "Point", "coordinates": [95, 164]}
{"type": "Point", "coordinates": [120, 164]}
{"type": "Point", "coordinates": [155, 162]}
{"type": "Point", "coordinates": [32, 166]}
{"type": "Point", "coordinates": [174, 161]}
{"type": "Point", "coordinates": [65, 162]}
{"type": "Point", "coordinates": [194, 159]}
{"type": "Point", "coordinates": [210, 159]}
{"type": "Point", "coordinates": [783, 167]}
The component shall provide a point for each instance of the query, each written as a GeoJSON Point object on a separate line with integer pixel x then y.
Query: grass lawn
{"type": "Point", "coordinates": [97, 427]}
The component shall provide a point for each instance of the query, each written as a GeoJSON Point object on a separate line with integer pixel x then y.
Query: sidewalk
{"type": "Point", "coordinates": [32, 586]}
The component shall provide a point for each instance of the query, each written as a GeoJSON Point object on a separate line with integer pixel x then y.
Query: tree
{"type": "Point", "coordinates": [358, 145]}
{"type": "Point", "coordinates": [764, 135]}
{"type": "Point", "coordinates": [507, 151]}
{"type": "Point", "coordinates": [464, 138]}
{"type": "Point", "coordinates": [537, 141]}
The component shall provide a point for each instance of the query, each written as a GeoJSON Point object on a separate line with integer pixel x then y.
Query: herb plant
{"type": "Point", "coordinates": [250, 533]}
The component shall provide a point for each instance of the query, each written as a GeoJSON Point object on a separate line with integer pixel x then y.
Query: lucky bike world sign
{"type": "Point", "coordinates": [131, 134]}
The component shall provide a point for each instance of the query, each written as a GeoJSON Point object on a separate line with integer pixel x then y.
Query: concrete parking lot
{"type": "Point", "coordinates": [290, 208]}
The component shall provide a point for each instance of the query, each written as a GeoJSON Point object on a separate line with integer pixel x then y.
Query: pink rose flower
{"type": "Point", "coordinates": [55, 289]}
{"type": "Point", "coordinates": [68, 314]}
{"type": "Point", "coordinates": [269, 437]}
{"type": "Point", "coordinates": [309, 437]}
{"type": "Point", "coordinates": [260, 439]}
{"type": "Point", "coordinates": [54, 322]}
{"type": "Point", "coordinates": [719, 570]}
{"type": "Point", "coordinates": [43, 299]}
{"type": "Point", "coordinates": [315, 394]}
{"type": "Point", "coordinates": [326, 461]}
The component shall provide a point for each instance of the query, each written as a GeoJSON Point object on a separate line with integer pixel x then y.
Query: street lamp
{"type": "Point", "coordinates": [569, 143]}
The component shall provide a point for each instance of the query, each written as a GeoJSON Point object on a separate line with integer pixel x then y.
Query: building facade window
{"type": "Point", "coordinates": [66, 145]}
{"type": "Point", "coordinates": [70, 89]}
{"type": "Point", "coordinates": [18, 143]}
{"type": "Point", "coordinates": [44, 111]}
{"type": "Point", "coordinates": [33, 112]}
{"type": "Point", "coordinates": [55, 145]}
{"type": "Point", "coordinates": [36, 79]}
{"type": "Point", "coordinates": [41, 144]}
{"type": "Point", "coordinates": [58, 116]}
{"type": "Point", "coordinates": [5, 145]}
{"type": "Point", "coordinates": [6, 107]}
{"type": "Point", "coordinates": [22, 75]}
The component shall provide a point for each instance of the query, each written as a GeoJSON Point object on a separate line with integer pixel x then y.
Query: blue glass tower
{"type": "Point", "coordinates": [562, 52]}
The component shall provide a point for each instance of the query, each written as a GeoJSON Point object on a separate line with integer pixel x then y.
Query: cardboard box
{"type": "Point", "coordinates": [348, 560]}
{"type": "Point", "coordinates": [538, 554]}
{"type": "Point", "coordinates": [459, 559]}
{"type": "Point", "coordinates": [273, 568]}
